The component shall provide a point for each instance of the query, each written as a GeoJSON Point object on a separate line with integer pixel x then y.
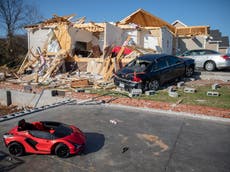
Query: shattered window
{"type": "Point", "coordinates": [139, 65]}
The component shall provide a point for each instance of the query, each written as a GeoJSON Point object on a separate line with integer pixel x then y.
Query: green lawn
{"type": "Point", "coordinates": [198, 98]}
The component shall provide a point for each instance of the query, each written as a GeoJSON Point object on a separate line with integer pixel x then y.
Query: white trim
{"type": "Point", "coordinates": [178, 21]}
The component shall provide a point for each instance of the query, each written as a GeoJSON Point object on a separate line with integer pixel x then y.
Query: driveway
{"type": "Point", "coordinates": [124, 139]}
{"type": "Point", "coordinates": [223, 75]}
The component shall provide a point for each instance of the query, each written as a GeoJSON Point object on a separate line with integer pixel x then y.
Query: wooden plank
{"type": "Point", "coordinates": [27, 65]}
{"type": "Point", "coordinates": [106, 65]}
{"type": "Point", "coordinates": [79, 83]}
{"type": "Point", "coordinates": [55, 64]}
{"type": "Point", "coordinates": [23, 63]}
{"type": "Point", "coordinates": [109, 73]}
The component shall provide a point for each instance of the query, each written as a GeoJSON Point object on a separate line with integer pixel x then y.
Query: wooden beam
{"type": "Point", "coordinates": [109, 72]}
{"type": "Point", "coordinates": [23, 63]}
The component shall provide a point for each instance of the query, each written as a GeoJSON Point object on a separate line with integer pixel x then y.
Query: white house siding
{"type": "Point", "coordinates": [113, 35]}
{"type": "Point", "coordinates": [212, 46]}
{"type": "Point", "coordinates": [101, 40]}
{"type": "Point", "coordinates": [37, 38]}
{"type": "Point", "coordinates": [167, 41]}
{"type": "Point", "coordinates": [134, 36]}
{"type": "Point", "coordinates": [188, 43]}
{"type": "Point", "coordinates": [79, 35]}
{"type": "Point", "coordinates": [150, 42]}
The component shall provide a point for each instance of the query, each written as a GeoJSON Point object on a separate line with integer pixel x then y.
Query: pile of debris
{"type": "Point", "coordinates": [58, 47]}
{"type": "Point", "coordinates": [41, 68]}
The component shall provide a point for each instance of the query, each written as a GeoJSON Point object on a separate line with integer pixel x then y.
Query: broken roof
{"type": "Point", "coordinates": [140, 17]}
{"type": "Point", "coordinates": [192, 31]}
{"type": "Point", "coordinates": [145, 19]}
{"type": "Point", "coordinates": [55, 19]}
{"type": "Point", "coordinates": [91, 27]}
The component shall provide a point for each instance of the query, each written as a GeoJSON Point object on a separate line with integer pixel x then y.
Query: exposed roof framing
{"type": "Point", "coordinates": [145, 19]}
{"type": "Point", "coordinates": [91, 27]}
{"type": "Point", "coordinates": [192, 31]}
{"type": "Point", "coordinates": [140, 19]}
{"type": "Point", "coordinates": [55, 19]}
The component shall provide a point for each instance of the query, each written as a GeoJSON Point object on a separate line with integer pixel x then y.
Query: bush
{"type": "Point", "coordinates": [13, 55]}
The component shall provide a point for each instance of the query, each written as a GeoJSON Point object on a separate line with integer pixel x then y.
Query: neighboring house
{"type": "Point", "coordinates": [200, 37]}
{"type": "Point", "coordinates": [189, 37]}
{"type": "Point", "coordinates": [217, 41]}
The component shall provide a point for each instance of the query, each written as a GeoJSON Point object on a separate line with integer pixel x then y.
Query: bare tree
{"type": "Point", "coordinates": [14, 14]}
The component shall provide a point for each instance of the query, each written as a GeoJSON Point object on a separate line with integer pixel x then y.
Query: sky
{"type": "Point", "coordinates": [213, 13]}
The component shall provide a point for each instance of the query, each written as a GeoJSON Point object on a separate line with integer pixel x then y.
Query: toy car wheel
{"type": "Point", "coordinates": [62, 150]}
{"type": "Point", "coordinates": [16, 149]}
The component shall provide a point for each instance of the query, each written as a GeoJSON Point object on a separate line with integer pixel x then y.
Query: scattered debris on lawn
{"type": "Point", "coordinates": [213, 93]}
{"type": "Point", "coordinates": [189, 90]}
{"type": "Point", "coordinates": [215, 86]}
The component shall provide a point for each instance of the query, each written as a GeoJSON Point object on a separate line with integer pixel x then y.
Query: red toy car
{"type": "Point", "coordinates": [44, 137]}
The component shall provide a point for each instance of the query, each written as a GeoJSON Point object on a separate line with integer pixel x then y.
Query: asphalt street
{"type": "Point", "coordinates": [126, 139]}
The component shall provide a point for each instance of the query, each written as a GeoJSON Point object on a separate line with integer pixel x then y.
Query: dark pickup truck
{"type": "Point", "coordinates": [150, 71]}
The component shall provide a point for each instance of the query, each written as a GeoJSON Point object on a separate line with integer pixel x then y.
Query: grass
{"type": "Point", "coordinates": [198, 98]}
{"type": "Point", "coordinates": [201, 98]}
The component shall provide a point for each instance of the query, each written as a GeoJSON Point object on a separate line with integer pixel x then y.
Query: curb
{"type": "Point", "coordinates": [173, 113]}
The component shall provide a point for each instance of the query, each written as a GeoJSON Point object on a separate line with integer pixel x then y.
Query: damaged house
{"type": "Point", "coordinates": [102, 48]}
{"type": "Point", "coordinates": [83, 42]}
{"type": "Point", "coordinates": [56, 41]}
{"type": "Point", "coordinates": [146, 31]}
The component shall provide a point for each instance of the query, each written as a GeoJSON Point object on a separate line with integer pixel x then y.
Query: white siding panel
{"type": "Point", "coordinates": [113, 35]}
{"type": "Point", "coordinates": [38, 38]}
{"type": "Point", "coordinates": [167, 41]}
